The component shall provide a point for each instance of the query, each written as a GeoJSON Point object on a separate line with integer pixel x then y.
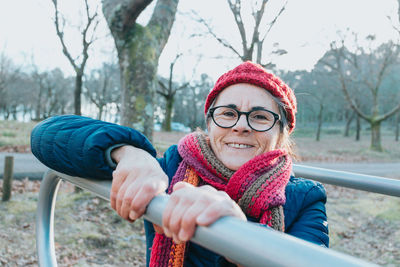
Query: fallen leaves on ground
{"type": "Point", "coordinates": [88, 232]}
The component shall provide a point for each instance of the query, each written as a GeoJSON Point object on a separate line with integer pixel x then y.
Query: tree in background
{"type": "Point", "coordinates": [52, 93]}
{"type": "Point", "coordinates": [368, 68]}
{"type": "Point", "coordinates": [88, 37]}
{"type": "Point", "coordinates": [189, 104]}
{"type": "Point", "coordinates": [252, 39]}
{"type": "Point", "coordinates": [103, 87]}
{"type": "Point", "coordinates": [168, 90]}
{"type": "Point", "coordinates": [318, 88]}
{"type": "Point", "coordinates": [139, 48]}
{"type": "Point", "coordinates": [315, 91]}
{"type": "Point", "coordinates": [397, 126]}
{"type": "Point", "coordinates": [43, 85]}
{"type": "Point", "coordinates": [9, 74]}
{"type": "Point", "coordinates": [396, 26]}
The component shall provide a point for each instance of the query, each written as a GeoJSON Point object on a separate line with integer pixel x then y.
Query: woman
{"type": "Point", "coordinates": [241, 168]}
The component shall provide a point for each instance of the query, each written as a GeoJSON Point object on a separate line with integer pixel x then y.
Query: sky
{"type": "Point", "coordinates": [305, 29]}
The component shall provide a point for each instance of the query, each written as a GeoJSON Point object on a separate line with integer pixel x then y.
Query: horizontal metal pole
{"type": "Point", "coordinates": [369, 183]}
{"type": "Point", "coordinates": [245, 243]}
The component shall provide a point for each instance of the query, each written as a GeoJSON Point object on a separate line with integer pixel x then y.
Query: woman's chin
{"type": "Point", "coordinates": [235, 163]}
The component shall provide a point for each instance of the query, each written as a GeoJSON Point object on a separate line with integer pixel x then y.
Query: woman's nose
{"type": "Point", "coordinates": [242, 125]}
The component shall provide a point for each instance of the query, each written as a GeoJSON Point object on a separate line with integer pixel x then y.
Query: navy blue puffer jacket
{"type": "Point", "coordinates": [80, 146]}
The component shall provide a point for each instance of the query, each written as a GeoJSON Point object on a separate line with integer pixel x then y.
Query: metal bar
{"type": "Point", "coordinates": [245, 243]}
{"type": "Point", "coordinates": [369, 183]}
{"type": "Point", "coordinates": [44, 219]}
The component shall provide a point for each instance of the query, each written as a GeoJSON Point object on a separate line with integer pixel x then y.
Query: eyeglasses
{"type": "Point", "coordinates": [259, 119]}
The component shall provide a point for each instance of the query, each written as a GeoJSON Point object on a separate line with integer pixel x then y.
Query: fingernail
{"type": "Point", "coordinates": [201, 219]}
{"type": "Point", "coordinates": [132, 215]}
{"type": "Point", "coordinates": [176, 240]}
{"type": "Point", "coordinates": [166, 232]}
{"type": "Point", "coordinates": [183, 235]}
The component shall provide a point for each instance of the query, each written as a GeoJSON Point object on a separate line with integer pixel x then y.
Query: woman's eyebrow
{"type": "Point", "coordinates": [253, 108]}
{"type": "Point", "coordinates": [258, 108]}
{"type": "Point", "coordinates": [232, 105]}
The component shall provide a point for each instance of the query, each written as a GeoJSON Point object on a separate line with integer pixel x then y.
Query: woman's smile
{"type": "Point", "coordinates": [238, 145]}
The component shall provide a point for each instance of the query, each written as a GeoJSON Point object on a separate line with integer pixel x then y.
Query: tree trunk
{"type": "Point", "coordinates": [139, 49]}
{"type": "Point", "coordinates": [138, 63]}
{"type": "Point", "coordinates": [39, 104]}
{"type": "Point", "coordinates": [348, 123]}
{"type": "Point", "coordinates": [14, 112]}
{"type": "Point", "coordinates": [77, 93]}
{"type": "Point", "coordinates": [321, 108]}
{"type": "Point", "coordinates": [168, 113]}
{"type": "Point", "coordinates": [100, 114]}
{"type": "Point", "coordinates": [6, 114]}
{"type": "Point", "coordinates": [376, 136]}
{"type": "Point", "coordinates": [397, 123]}
{"type": "Point", "coordinates": [358, 128]}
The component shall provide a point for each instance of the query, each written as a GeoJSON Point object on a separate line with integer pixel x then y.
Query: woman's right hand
{"type": "Point", "coordinates": [136, 180]}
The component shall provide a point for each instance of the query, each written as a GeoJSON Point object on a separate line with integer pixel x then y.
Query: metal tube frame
{"type": "Point", "coordinates": [357, 181]}
{"type": "Point", "coordinates": [247, 246]}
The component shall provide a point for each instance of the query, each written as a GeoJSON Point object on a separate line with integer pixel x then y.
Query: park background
{"type": "Point", "coordinates": [340, 57]}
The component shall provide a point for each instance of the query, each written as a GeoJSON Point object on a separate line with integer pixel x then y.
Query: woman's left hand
{"type": "Point", "coordinates": [189, 206]}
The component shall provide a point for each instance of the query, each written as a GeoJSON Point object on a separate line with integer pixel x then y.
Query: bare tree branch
{"type": "Point", "coordinates": [272, 23]}
{"type": "Point", "coordinates": [161, 21]}
{"type": "Point", "coordinates": [60, 34]}
{"type": "Point", "coordinates": [390, 113]}
{"type": "Point", "coordinates": [337, 53]}
{"type": "Point", "coordinates": [220, 40]}
{"type": "Point", "coordinates": [164, 89]}
{"type": "Point", "coordinates": [257, 15]}
{"type": "Point", "coordinates": [235, 8]}
{"type": "Point", "coordinates": [121, 15]}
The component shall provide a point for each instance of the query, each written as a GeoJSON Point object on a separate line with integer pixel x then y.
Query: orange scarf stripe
{"type": "Point", "coordinates": [177, 253]}
{"type": "Point", "coordinates": [191, 177]}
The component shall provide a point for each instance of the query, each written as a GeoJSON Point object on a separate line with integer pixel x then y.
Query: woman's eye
{"type": "Point", "coordinates": [260, 117]}
{"type": "Point", "coordinates": [229, 114]}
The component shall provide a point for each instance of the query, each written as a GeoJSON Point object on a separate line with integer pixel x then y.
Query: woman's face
{"type": "Point", "coordinates": [237, 145]}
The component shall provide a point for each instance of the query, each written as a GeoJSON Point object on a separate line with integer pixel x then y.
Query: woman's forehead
{"type": "Point", "coordinates": [248, 95]}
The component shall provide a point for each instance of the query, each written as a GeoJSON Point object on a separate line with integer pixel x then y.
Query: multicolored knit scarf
{"type": "Point", "coordinates": [258, 187]}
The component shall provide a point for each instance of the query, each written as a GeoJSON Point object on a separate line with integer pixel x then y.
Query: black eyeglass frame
{"type": "Point", "coordinates": [277, 117]}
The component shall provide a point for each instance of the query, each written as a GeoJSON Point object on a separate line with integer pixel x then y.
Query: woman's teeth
{"type": "Point", "coordinates": [238, 145]}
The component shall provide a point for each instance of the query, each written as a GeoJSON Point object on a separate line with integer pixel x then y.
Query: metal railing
{"type": "Point", "coordinates": [245, 243]}
{"type": "Point", "coordinates": [363, 182]}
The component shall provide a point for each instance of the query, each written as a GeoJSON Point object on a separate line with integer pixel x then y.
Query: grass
{"type": "Point", "coordinates": [15, 133]}
{"type": "Point", "coordinates": [336, 148]}
{"type": "Point", "coordinates": [365, 225]}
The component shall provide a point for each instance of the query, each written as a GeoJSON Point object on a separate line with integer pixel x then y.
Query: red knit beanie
{"type": "Point", "coordinates": [255, 74]}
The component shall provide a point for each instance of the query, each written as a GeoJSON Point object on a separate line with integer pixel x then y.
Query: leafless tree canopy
{"type": "Point", "coordinates": [253, 40]}
{"type": "Point", "coordinates": [88, 37]}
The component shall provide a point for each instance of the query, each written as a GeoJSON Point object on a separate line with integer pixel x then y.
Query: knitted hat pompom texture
{"type": "Point", "coordinates": [255, 74]}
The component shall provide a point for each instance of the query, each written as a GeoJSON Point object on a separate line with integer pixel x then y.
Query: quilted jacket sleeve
{"type": "Point", "coordinates": [308, 217]}
{"type": "Point", "coordinates": [76, 145]}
